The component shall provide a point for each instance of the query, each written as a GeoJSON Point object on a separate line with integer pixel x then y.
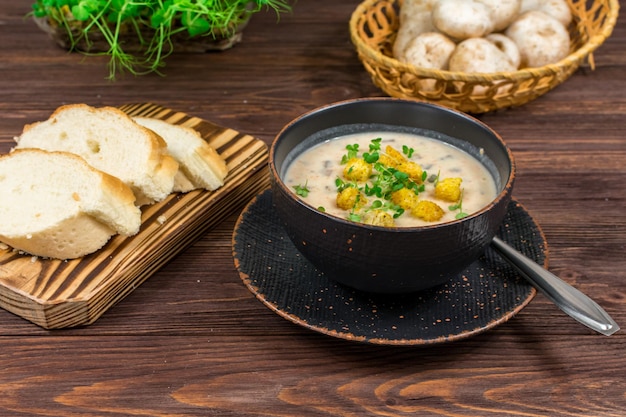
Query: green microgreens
{"type": "Point", "coordinates": [342, 185]}
{"type": "Point", "coordinates": [458, 206]}
{"type": "Point", "coordinates": [371, 158]}
{"type": "Point", "coordinates": [375, 144]}
{"type": "Point", "coordinates": [84, 20]}
{"type": "Point", "coordinates": [384, 181]}
{"type": "Point", "coordinates": [302, 190]}
{"type": "Point", "coordinates": [373, 155]}
{"type": "Point", "coordinates": [353, 215]}
{"type": "Point", "coordinates": [387, 206]}
{"type": "Point", "coordinates": [389, 180]}
{"type": "Point", "coordinates": [353, 152]}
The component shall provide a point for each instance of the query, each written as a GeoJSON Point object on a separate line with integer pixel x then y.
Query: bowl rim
{"type": "Point", "coordinates": [503, 194]}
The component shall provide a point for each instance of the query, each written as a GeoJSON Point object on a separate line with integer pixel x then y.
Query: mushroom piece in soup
{"type": "Point", "coordinates": [391, 179]}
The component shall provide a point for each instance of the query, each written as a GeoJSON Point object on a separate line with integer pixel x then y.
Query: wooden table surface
{"type": "Point", "coordinates": [193, 340]}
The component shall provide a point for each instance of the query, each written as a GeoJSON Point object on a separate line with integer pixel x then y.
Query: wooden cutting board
{"type": "Point", "coordinates": [56, 294]}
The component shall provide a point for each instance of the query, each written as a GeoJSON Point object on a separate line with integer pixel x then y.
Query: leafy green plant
{"type": "Point", "coordinates": [115, 20]}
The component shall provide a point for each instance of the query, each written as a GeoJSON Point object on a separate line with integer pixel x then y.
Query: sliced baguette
{"type": "Point", "coordinates": [200, 166]}
{"type": "Point", "coordinates": [55, 205]}
{"type": "Point", "coordinates": [110, 141]}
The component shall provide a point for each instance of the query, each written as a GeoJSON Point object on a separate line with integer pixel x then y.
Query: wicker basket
{"type": "Point", "coordinates": [373, 28]}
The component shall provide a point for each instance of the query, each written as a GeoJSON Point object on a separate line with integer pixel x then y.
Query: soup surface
{"type": "Point", "coordinates": [382, 177]}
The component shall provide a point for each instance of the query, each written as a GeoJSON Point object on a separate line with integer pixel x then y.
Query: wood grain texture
{"type": "Point", "coordinates": [193, 341]}
{"type": "Point", "coordinates": [64, 293]}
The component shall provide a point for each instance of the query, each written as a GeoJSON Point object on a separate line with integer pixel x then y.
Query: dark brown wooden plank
{"type": "Point", "coordinates": [193, 341]}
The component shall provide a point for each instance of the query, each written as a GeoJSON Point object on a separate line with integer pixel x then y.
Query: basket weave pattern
{"type": "Point", "coordinates": [373, 29]}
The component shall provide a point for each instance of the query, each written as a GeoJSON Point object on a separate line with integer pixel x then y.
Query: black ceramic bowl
{"type": "Point", "coordinates": [379, 259]}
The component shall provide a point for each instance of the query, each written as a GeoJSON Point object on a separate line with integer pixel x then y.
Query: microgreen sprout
{"type": "Point", "coordinates": [353, 151]}
{"type": "Point", "coordinates": [389, 180]}
{"type": "Point", "coordinates": [302, 190]}
{"type": "Point", "coordinates": [373, 154]}
{"type": "Point", "coordinates": [342, 185]}
{"type": "Point", "coordinates": [458, 206]}
{"type": "Point", "coordinates": [387, 206]}
{"type": "Point", "coordinates": [354, 217]}
{"type": "Point", "coordinates": [374, 145]}
{"type": "Point", "coordinates": [372, 157]}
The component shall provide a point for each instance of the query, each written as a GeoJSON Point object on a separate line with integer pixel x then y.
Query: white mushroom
{"type": "Point", "coordinates": [478, 55]}
{"type": "Point", "coordinates": [412, 7]}
{"type": "Point", "coordinates": [528, 5]}
{"type": "Point", "coordinates": [559, 9]}
{"type": "Point", "coordinates": [503, 11]}
{"type": "Point", "coordinates": [463, 19]}
{"type": "Point", "coordinates": [410, 27]}
{"type": "Point", "coordinates": [541, 39]}
{"type": "Point", "coordinates": [430, 50]}
{"type": "Point", "coordinates": [506, 45]}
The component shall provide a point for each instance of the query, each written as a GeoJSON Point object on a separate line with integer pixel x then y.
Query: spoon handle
{"type": "Point", "coordinates": [567, 298]}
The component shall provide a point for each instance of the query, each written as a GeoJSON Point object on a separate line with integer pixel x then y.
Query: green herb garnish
{"type": "Point", "coordinates": [389, 180]}
{"type": "Point", "coordinates": [387, 206]}
{"type": "Point", "coordinates": [86, 20]}
{"type": "Point", "coordinates": [353, 151]}
{"type": "Point", "coordinates": [458, 206]}
{"type": "Point", "coordinates": [302, 190]}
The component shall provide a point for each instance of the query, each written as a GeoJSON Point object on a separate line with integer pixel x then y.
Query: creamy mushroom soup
{"type": "Point", "coordinates": [391, 179]}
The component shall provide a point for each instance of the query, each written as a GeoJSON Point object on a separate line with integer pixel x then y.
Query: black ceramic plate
{"type": "Point", "coordinates": [486, 294]}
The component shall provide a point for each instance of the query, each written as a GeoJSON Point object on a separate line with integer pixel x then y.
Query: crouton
{"type": "Point", "coordinates": [405, 198]}
{"type": "Point", "coordinates": [412, 169]}
{"type": "Point", "coordinates": [357, 169]}
{"type": "Point", "coordinates": [391, 157]}
{"type": "Point", "coordinates": [378, 218]}
{"type": "Point", "coordinates": [350, 198]}
{"type": "Point", "coordinates": [449, 189]}
{"type": "Point", "coordinates": [427, 211]}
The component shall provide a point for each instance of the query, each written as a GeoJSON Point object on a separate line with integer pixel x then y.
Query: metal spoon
{"type": "Point", "coordinates": [573, 302]}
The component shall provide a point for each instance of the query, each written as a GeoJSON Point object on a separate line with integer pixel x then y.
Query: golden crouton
{"type": "Point", "coordinates": [378, 218]}
{"type": "Point", "coordinates": [350, 198]}
{"type": "Point", "coordinates": [395, 154]}
{"type": "Point", "coordinates": [449, 189]}
{"type": "Point", "coordinates": [413, 169]}
{"type": "Point", "coordinates": [391, 158]}
{"type": "Point", "coordinates": [387, 161]}
{"type": "Point", "coordinates": [357, 169]}
{"type": "Point", "coordinates": [405, 198]}
{"type": "Point", "coordinates": [427, 210]}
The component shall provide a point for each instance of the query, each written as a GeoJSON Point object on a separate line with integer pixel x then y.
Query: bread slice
{"type": "Point", "coordinates": [200, 166]}
{"type": "Point", "coordinates": [109, 140]}
{"type": "Point", "coordinates": [55, 205]}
